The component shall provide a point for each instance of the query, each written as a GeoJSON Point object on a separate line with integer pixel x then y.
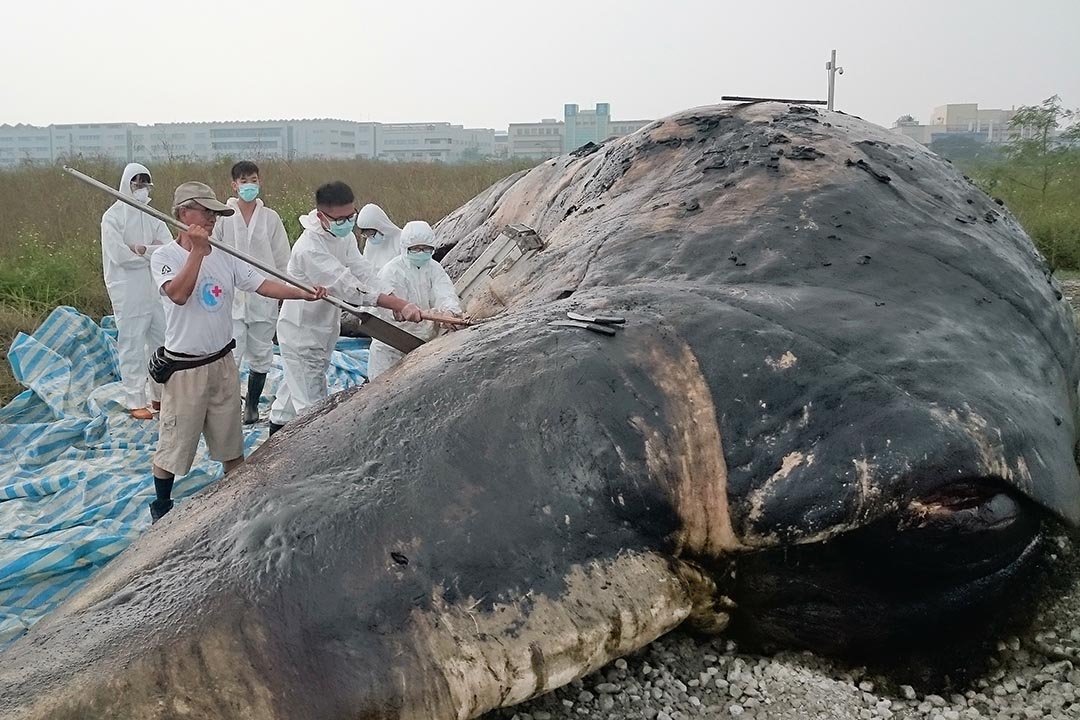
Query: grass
{"type": "Point", "coordinates": [50, 236]}
{"type": "Point", "coordinates": [1044, 194]}
{"type": "Point", "coordinates": [50, 252]}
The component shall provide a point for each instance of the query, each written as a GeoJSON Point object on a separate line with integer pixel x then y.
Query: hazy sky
{"type": "Point", "coordinates": [486, 64]}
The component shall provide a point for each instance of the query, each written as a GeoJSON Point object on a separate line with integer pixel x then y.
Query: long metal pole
{"type": "Point", "coordinates": [272, 271]}
{"type": "Point", "coordinates": [832, 78]}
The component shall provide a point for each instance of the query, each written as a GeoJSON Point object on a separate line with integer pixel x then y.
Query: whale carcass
{"type": "Point", "coordinates": [841, 409]}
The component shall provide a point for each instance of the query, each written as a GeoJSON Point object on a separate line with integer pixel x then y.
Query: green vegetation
{"type": "Point", "coordinates": [1038, 178]}
{"type": "Point", "coordinates": [50, 237]}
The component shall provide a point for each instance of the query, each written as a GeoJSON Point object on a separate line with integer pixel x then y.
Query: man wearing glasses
{"type": "Point", "coordinates": [128, 239]}
{"type": "Point", "coordinates": [325, 254]}
{"type": "Point", "coordinates": [201, 385]}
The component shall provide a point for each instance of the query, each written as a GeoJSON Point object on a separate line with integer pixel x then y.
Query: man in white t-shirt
{"type": "Point", "coordinates": [202, 395]}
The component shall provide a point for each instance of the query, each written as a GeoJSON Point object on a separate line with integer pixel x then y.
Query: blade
{"type": "Point", "coordinates": [602, 329]}
{"type": "Point", "coordinates": [388, 333]}
{"type": "Point", "coordinates": [602, 319]}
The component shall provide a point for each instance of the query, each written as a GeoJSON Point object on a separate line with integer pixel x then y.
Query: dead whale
{"type": "Point", "coordinates": [842, 406]}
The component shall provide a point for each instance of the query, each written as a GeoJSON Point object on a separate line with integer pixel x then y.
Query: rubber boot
{"type": "Point", "coordinates": [274, 427]}
{"type": "Point", "coordinates": [158, 508]}
{"type": "Point", "coordinates": [256, 381]}
{"type": "Point", "coordinates": [163, 503]}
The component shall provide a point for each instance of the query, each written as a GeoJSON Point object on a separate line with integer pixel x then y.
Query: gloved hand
{"type": "Point", "coordinates": [409, 313]}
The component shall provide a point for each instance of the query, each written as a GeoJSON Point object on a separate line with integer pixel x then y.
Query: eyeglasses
{"type": "Point", "coordinates": [206, 211]}
{"type": "Point", "coordinates": [330, 217]}
{"type": "Point", "coordinates": [421, 248]}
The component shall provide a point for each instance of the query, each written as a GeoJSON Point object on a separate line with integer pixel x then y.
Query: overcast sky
{"type": "Point", "coordinates": [485, 63]}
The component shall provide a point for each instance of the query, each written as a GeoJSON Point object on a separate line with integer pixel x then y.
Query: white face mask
{"type": "Point", "coordinates": [141, 194]}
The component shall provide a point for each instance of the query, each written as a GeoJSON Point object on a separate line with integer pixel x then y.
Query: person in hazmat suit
{"type": "Point", "coordinates": [325, 254]}
{"type": "Point", "coordinates": [380, 235]}
{"type": "Point", "coordinates": [128, 239]}
{"type": "Point", "coordinates": [415, 276]}
{"type": "Point", "coordinates": [256, 230]}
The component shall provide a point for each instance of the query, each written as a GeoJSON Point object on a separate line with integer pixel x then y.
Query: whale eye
{"type": "Point", "coordinates": [399, 558]}
{"type": "Point", "coordinates": [937, 567]}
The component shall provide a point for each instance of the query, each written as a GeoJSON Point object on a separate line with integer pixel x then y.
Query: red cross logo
{"type": "Point", "coordinates": [216, 290]}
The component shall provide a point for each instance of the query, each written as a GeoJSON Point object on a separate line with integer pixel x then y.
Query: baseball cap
{"type": "Point", "coordinates": [202, 194]}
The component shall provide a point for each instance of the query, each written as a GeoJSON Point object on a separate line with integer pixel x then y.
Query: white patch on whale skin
{"type": "Point", "coordinates": [988, 442]}
{"type": "Point", "coordinates": [864, 476]}
{"type": "Point", "coordinates": [500, 655]}
{"type": "Point", "coordinates": [761, 495]}
{"type": "Point", "coordinates": [785, 362]}
{"type": "Point", "coordinates": [807, 222]}
{"type": "Point", "coordinates": [684, 451]}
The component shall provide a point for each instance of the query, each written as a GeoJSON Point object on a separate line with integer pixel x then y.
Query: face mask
{"type": "Point", "coordinates": [248, 192]}
{"type": "Point", "coordinates": [375, 239]}
{"type": "Point", "coordinates": [420, 258]}
{"type": "Point", "coordinates": [341, 228]}
{"type": "Point", "coordinates": [141, 194]}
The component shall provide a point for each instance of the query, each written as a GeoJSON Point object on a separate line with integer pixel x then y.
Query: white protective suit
{"type": "Point", "coordinates": [140, 316]}
{"type": "Point", "coordinates": [387, 248]}
{"type": "Point", "coordinates": [428, 286]}
{"type": "Point", "coordinates": [255, 316]}
{"type": "Point", "coordinates": [308, 331]}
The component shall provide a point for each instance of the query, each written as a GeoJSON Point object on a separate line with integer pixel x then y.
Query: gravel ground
{"type": "Point", "coordinates": [1032, 672]}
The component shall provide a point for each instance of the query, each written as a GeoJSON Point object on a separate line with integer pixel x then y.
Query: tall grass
{"type": "Point", "coordinates": [50, 223]}
{"type": "Point", "coordinates": [1044, 196]}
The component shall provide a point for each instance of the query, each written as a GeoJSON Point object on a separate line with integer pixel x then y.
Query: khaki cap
{"type": "Point", "coordinates": [202, 194]}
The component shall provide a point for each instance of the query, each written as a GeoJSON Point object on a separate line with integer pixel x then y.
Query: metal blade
{"type": "Point", "coordinates": [386, 332]}
{"type": "Point", "coordinates": [602, 319]}
{"type": "Point", "coordinates": [602, 329]}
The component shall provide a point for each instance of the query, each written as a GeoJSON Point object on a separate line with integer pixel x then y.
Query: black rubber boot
{"type": "Point", "coordinates": [158, 508]}
{"type": "Point", "coordinates": [274, 427]}
{"type": "Point", "coordinates": [255, 384]}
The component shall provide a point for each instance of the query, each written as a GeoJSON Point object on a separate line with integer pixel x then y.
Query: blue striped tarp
{"type": "Point", "coordinates": [75, 482]}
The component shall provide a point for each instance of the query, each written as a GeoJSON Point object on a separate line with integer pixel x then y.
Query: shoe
{"type": "Point", "coordinates": [158, 508]}
{"type": "Point", "coordinates": [255, 384]}
{"type": "Point", "coordinates": [142, 414]}
{"type": "Point", "coordinates": [274, 427]}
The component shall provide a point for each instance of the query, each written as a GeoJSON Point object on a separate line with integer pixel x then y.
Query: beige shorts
{"type": "Point", "coordinates": [200, 401]}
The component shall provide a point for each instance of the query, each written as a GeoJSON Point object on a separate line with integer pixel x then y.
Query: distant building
{"type": "Point", "coordinates": [594, 126]}
{"type": "Point", "coordinates": [585, 126]}
{"type": "Point", "coordinates": [550, 137]}
{"type": "Point", "coordinates": [536, 141]}
{"type": "Point", "coordinates": [25, 143]}
{"type": "Point", "coordinates": [961, 120]}
{"type": "Point", "coordinates": [502, 144]}
{"type": "Point", "coordinates": [252, 139]}
{"type": "Point", "coordinates": [311, 138]}
{"type": "Point", "coordinates": [286, 139]}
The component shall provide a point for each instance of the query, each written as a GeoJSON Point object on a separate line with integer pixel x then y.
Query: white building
{"type": "Point", "coordinates": [433, 142]}
{"type": "Point", "coordinates": [288, 139]}
{"type": "Point", "coordinates": [536, 141]}
{"type": "Point", "coordinates": [551, 137]}
{"type": "Point", "coordinates": [25, 143]}
{"type": "Point", "coordinates": [502, 144]}
{"type": "Point", "coordinates": [961, 119]}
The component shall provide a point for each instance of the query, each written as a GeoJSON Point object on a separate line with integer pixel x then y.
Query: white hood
{"type": "Point", "coordinates": [311, 222]}
{"type": "Point", "coordinates": [373, 216]}
{"type": "Point", "coordinates": [416, 232]}
{"type": "Point", "coordinates": [130, 171]}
